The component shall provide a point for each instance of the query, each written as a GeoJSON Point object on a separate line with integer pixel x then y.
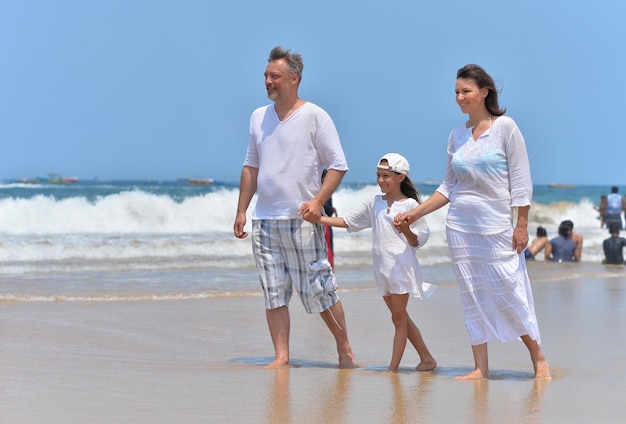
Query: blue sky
{"type": "Point", "coordinates": [155, 89]}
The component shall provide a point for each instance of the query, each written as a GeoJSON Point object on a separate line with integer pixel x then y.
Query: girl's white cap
{"type": "Point", "coordinates": [396, 163]}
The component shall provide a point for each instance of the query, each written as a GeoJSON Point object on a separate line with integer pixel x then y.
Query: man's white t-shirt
{"type": "Point", "coordinates": [291, 156]}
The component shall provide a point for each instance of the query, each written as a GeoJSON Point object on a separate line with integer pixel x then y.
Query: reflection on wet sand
{"type": "Point", "coordinates": [409, 407]}
{"type": "Point", "coordinates": [529, 410]}
{"type": "Point", "coordinates": [279, 401]}
{"type": "Point", "coordinates": [330, 402]}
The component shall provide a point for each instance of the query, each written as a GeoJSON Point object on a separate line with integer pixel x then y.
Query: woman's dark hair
{"type": "Point", "coordinates": [541, 232]}
{"type": "Point", "coordinates": [483, 80]}
{"type": "Point", "coordinates": [566, 228]}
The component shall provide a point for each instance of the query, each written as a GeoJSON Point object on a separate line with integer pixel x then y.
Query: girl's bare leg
{"type": "Point", "coordinates": [397, 305]}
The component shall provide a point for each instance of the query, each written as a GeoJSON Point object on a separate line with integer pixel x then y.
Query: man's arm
{"type": "Point", "coordinates": [311, 210]}
{"type": "Point", "coordinates": [247, 188]}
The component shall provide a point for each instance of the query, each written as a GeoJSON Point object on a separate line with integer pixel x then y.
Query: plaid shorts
{"type": "Point", "coordinates": [292, 253]}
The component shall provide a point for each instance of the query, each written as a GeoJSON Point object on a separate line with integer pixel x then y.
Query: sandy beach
{"type": "Point", "coordinates": [200, 360]}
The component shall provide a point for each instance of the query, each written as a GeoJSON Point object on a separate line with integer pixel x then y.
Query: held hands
{"type": "Point", "coordinates": [402, 221]}
{"type": "Point", "coordinates": [311, 211]}
{"type": "Point", "coordinates": [402, 225]}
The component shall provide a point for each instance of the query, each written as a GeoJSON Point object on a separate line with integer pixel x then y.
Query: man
{"type": "Point", "coordinates": [578, 239]}
{"type": "Point", "coordinates": [291, 142]}
{"type": "Point", "coordinates": [615, 205]}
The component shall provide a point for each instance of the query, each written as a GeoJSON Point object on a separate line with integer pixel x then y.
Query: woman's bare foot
{"type": "Point", "coordinates": [473, 375]}
{"type": "Point", "coordinates": [426, 365]}
{"type": "Point", "coordinates": [542, 371]}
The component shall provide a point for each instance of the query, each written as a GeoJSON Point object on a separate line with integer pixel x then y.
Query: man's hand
{"type": "Point", "coordinates": [240, 222]}
{"type": "Point", "coordinates": [311, 211]}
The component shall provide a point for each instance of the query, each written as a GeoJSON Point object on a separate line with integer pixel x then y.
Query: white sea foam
{"type": "Point", "coordinates": [139, 230]}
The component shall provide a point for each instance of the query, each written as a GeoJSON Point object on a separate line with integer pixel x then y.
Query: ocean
{"type": "Point", "coordinates": [112, 240]}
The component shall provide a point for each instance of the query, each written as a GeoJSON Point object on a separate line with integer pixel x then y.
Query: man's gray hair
{"type": "Point", "coordinates": [294, 60]}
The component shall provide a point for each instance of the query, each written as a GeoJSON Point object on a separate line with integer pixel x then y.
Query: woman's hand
{"type": "Point", "coordinates": [520, 238]}
{"type": "Point", "coordinates": [403, 220]}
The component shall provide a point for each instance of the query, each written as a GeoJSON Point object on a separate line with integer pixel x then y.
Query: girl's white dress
{"type": "Point", "coordinates": [395, 264]}
{"type": "Point", "coordinates": [485, 180]}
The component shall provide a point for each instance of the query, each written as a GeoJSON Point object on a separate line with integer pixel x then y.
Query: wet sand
{"type": "Point", "coordinates": [199, 361]}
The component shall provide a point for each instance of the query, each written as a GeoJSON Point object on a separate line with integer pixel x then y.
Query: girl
{"type": "Point", "coordinates": [396, 268]}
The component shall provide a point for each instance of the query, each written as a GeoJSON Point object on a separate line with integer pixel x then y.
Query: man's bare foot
{"type": "Point", "coordinates": [473, 375]}
{"type": "Point", "coordinates": [426, 365]}
{"type": "Point", "coordinates": [542, 371]}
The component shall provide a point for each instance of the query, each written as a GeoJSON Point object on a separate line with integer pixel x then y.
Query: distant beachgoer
{"type": "Point", "coordinates": [396, 268]}
{"type": "Point", "coordinates": [538, 244]}
{"type": "Point", "coordinates": [615, 205]}
{"type": "Point", "coordinates": [578, 239]}
{"type": "Point", "coordinates": [614, 246]}
{"type": "Point", "coordinates": [565, 247]}
{"type": "Point", "coordinates": [487, 178]}
{"type": "Point", "coordinates": [329, 210]}
{"type": "Point", "coordinates": [602, 209]}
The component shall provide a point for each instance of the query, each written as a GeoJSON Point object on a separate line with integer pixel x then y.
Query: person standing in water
{"type": "Point", "coordinates": [396, 268]}
{"type": "Point", "coordinates": [291, 142]}
{"type": "Point", "coordinates": [487, 177]}
{"type": "Point", "coordinates": [615, 205]}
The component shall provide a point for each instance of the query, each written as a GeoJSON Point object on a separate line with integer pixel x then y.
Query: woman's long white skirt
{"type": "Point", "coordinates": [495, 288]}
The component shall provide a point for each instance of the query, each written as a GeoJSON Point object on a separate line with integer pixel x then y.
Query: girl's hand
{"type": "Point", "coordinates": [404, 219]}
{"type": "Point", "coordinates": [402, 225]}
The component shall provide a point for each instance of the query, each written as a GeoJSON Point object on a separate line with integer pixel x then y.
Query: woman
{"type": "Point", "coordinates": [487, 177]}
{"type": "Point", "coordinates": [564, 248]}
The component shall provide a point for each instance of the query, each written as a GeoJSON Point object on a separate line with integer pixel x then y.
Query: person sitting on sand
{"type": "Point", "coordinates": [578, 239]}
{"type": "Point", "coordinates": [538, 244]}
{"type": "Point", "coordinates": [614, 246]}
{"type": "Point", "coordinates": [565, 247]}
